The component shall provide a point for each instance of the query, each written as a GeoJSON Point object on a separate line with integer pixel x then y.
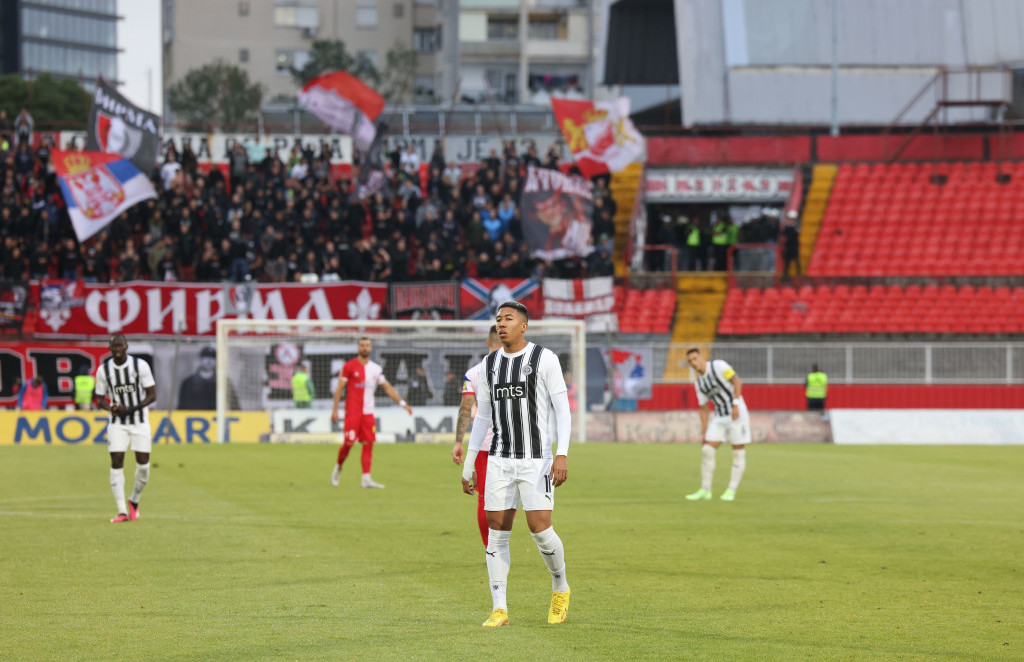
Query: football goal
{"type": "Point", "coordinates": [424, 360]}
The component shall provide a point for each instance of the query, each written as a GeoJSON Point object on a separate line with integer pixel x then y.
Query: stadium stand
{"type": "Point", "coordinates": [280, 221]}
{"type": "Point", "coordinates": [863, 309]}
{"type": "Point", "coordinates": [922, 219]}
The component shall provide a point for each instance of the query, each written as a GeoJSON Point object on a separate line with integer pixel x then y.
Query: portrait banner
{"type": "Point", "coordinates": [557, 210]}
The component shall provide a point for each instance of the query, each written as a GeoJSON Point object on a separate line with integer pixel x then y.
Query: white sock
{"type": "Point", "coordinates": [117, 486]}
{"type": "Point", "coordinates": [739, 465]}
{"type": "Point", "coordinates": [141, 478]}
{"type": "Point", "coordinates": [366, 478]}
{"type": "Point", "coordinates": [498, 561]}
{"type": "Point", "coordinates": [551, 550]}
{"type": "Point", "coordinates": [707, 465]}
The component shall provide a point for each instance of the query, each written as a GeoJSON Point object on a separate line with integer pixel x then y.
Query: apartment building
{"type": "Point", "coordinates": [521, 51]}
{"type": "Point", "coordinates": [267, 38]}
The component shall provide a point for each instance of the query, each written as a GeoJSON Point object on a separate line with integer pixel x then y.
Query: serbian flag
{"type": "Point", "coordinates": [344, 103]}
{"type": "Point", "coordinates": [599, 134]}
{"type": "Point", "coordinates": [98, 186]}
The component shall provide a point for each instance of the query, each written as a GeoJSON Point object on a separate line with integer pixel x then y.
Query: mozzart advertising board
{"type": "Point", "coordinates": [41, 428]}
{"type": "Point", "coordinates": [74, 310]}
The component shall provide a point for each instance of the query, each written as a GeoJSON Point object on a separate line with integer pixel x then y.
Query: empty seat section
{"type": "Point", "coordinates": [842, 309]}
{"type": "Point", "coordinates": [894, 220]}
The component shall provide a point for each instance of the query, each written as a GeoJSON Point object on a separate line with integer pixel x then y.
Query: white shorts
{"type": "Point", "coordinates": [511, 482]}
{"type": "Point", "coordinates": [723, 428]}
{"type": "Point", "coordinates": [137, 436]}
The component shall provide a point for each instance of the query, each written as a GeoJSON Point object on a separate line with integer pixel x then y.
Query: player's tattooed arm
{"type": "Point", "coordinates": [464, 417]}
{"type": "Point", "coordinates": [461, 424]}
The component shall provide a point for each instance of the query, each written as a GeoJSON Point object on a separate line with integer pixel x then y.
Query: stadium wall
{"type": "Point", "coordinates": [853, 396]}
{"type": "Point", "coordinates": [436, 425]}
{"type": "Point", "coordinates": [736, 150]}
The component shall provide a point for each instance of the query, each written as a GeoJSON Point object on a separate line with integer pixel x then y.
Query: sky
{"type": "Point", "coordinates": [140, 64]}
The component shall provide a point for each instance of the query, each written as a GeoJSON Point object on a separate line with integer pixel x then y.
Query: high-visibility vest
{"type": "Point", "coordinates": [720, 235]}
{"type": "Point", "coordinates": [300, 387]}
{"type": "Point", "coordinates": [84, 387]}
{"type": "Point", "coordinates": [817, 385]}
{"type": "Point", "coordinates": [693, 239]}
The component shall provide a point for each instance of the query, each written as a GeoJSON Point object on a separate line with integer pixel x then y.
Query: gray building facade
{"type": "Point", "coordinates": [64, 38]}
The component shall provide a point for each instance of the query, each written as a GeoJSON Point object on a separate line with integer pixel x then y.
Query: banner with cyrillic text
{"type": "Point", "coordinates": [160, 309]}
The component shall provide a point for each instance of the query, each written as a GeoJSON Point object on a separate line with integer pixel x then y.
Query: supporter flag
{"type": "Point", "coordinates": [118, 126]}
{"type": "Point", "coordinates": [590, 299]}
{"type": "Point", "coordinates": [97, 187]}
{"type": "Point", "coordinates": [556, 212]}
{"type": "Point", "coordinates": [345, 104]}
{"type": "Point", "coordinates": [599, 134]}
{"type": "Point", "coordinates": [372, 169]}
{"type": "Point", "coordinates": [631, 374]}
{"type": "Point", "coordinates": [479, 298]}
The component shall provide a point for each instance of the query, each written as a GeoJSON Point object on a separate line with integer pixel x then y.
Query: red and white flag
{"type": "Point", "coordinates": [599, 134]}
{"type": "Point", "coordinates": [97, 186]}
{"type": "Point", "coordinates": [590, 299]}
{"type": "Point", "coordinates": [344, 103]}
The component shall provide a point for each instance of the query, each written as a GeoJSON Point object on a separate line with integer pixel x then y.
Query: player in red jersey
{"type": "Point", "coordinates": [361, 376]}
{"type": "Point", "coordinates": [467, 410]}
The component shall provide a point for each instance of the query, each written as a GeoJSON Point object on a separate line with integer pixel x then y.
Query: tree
{"type": "Point", "coordinates": [399, 72]}
{"type": "Point", "coordinates": [216, 95]}
{"type": "Point", "coordinates": [54, 102]}
{"type": "Point", "coordinates": [334, 56]}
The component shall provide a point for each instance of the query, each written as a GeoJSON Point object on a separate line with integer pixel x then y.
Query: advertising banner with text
{"type": "Point", "coordinates": [159, 309]}
{"type": "Point", "coordinates": [43, 428]}
{"type": "Point", "coordinates": [718, 185]}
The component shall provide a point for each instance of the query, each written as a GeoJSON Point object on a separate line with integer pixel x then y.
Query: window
{"type": "Point", "coordinates": [423, 88]}
{"type": "Point", "coordinates": [292, 14]}
{"type": "Point", "coordinates": [503, 28]}
{"type": "Point", "coordinates": [243, 54]}
{"type": "Point", "coordinates": [243, 8]}
{"type": "Point", "coordinates": [398, 10]}
{"type": "Point", "coordinates": [283, 62]}
{"type": "Point", "coordinates": [547, 27]}
{"type": "Point", "coordinates": [366, 14]}
{"type": "Point", "coordinates": [424, 40]}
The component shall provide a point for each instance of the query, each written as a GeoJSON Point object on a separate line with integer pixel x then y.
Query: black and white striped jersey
{"type": "Point", "coordinates": [519, 387]}
{"type": "Point", "coordinates": [126, 385]}
{"type": "Point", "coordinates": [714, 386]}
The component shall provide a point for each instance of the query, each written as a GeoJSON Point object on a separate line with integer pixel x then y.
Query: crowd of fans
{"type": "Point", "coordinates": [275, 220]}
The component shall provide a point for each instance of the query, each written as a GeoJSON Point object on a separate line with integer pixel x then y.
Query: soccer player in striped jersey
{"type": "Point", "coordinates": [470, 385]}
{"type": "Point", "coordinates": [718, 385]}
{"type": "Point", "coordinates": [521, 387]}
{"type": "Point", "coordinates": [125, 388]}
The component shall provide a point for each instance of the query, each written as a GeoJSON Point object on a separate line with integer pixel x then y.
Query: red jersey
{"type": "Point", "coordinates": [360, 385]}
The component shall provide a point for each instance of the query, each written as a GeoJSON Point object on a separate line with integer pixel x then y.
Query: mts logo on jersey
{"type": "Point", "coordinates": [510, 391]}
{"type": "Point", "coordinates": [124, 388]}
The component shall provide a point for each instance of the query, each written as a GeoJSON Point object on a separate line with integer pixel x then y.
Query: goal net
{"type": "Point", "coordinates": [424, 360]}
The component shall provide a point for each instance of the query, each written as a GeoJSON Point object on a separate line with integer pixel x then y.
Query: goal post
{"type": "Point", "coordinates": [424, 360]}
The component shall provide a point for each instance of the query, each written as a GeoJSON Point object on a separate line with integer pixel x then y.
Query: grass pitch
{"type": "Point", "coordinates": [248, 553]}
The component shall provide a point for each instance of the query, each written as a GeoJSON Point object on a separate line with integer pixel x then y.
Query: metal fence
{"type": "Point", "coordinates": [852, 363]}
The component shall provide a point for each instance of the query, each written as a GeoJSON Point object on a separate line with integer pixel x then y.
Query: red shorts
{"type": "Point", "coordinates": [360, 428]}
{"type": "Point", "coordinates": [481, 473]}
